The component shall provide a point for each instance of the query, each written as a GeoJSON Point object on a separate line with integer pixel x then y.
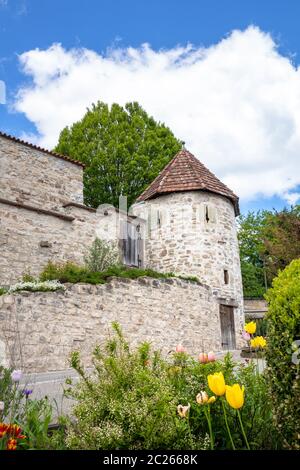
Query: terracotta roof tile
{"type": "Point", "coordinates": [186, 173]}
{"type": "Point", "coordinates": [35, 147]}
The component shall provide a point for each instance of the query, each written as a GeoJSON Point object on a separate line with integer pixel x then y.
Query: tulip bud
{"type": "Point", "coordinates": [202, 398]}
{"type": "Point", "coordinates": [246, 335]}
{"type": "Point", "coordinates": [211, 356]}
{"type": "Point", "coordinates": [203, 359]}
{"type": "Point", "coordinates": [180, 348]}
{"type": "Point", "coordinates": [211, 400]}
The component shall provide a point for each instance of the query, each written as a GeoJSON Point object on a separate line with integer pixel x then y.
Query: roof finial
{"type": "Point", "coordinates": [183, 147]}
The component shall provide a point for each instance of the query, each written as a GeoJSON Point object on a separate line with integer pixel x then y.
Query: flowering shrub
{"type": "Point", "coordinates": [138, 400]}
{"type": "Point", "coordinates": [36, 286]}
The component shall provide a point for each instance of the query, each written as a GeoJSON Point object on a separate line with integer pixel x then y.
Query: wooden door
{"type": "Point", "coordinates": [227, 327]}
{"type": "Point", "coordinates": [132, 245]}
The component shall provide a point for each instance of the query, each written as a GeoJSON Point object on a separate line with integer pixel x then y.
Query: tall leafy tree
{"type": "Point", "coordinates": [281, 239]}
{"type": "Point", "coordinates": [250, 235]}
{"type": "Point", "coordinates": [123, 148]}
{"type": "Point", "coordinates": [269, 241]}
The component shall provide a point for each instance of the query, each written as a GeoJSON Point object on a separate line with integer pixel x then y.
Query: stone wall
{"type": "Point", "coordinates": [255, 308]}
{"type": "Point", "coordinates": [39, 330]}
{"type": "Point", "coordinates": [181, 240]}
{"type": "Point", "coordinates": [42, 217]}
{"type": "Point", "coordinates": [32, 176]}
{"type": "Point", "coordinates": [28, 240]}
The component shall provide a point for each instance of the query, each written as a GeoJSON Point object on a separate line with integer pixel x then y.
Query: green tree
{"type": "Point", "coordinates": [123, 149]}
{"type": "Point", "coordinates": [281, 239]}
{"type": "Point", "coordinates": [250, 235]}
{"type": "Point", "coordinates": [269, 241]}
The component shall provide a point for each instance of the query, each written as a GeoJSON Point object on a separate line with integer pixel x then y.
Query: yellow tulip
{"type": "Point", "coordinates": [235, 395]}
{"type": "Point", "coordinates": [250, 327]}
{"type": "Point", "coordinates": [258, 342]}
{"type": "Point", "coordinates": [211, 400]}
{"type": "Point", "coordinates": [216, 383]}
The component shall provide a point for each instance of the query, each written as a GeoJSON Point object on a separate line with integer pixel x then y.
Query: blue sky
{"type": "Point", "coordinates": [106, 26]}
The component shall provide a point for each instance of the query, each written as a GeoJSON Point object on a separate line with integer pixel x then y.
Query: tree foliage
{"type": "Point", "coordinates": [269, 241]}
{"type": "Point", "coordinates": [281, 239]}
{"type": "Point", "coordinates": [124, 149]}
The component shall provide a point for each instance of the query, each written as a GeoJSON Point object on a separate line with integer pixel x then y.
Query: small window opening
{"type": "Point", "coordinates": [158, 219]}
{"type": "Point", "coordinates": [226, 276]}
{"type": "Point", "coordinates": [206, 214]}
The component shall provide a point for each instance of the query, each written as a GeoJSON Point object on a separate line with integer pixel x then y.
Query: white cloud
{"type": "Point", "coordinates": [236, 104]}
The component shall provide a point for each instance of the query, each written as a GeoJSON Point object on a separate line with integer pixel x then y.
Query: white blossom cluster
{"type": "Point", "coordinates": [37, 286]}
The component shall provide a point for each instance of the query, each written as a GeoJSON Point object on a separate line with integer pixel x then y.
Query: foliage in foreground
{"type": "Point", "coordinates": [283, 319]}
{"type": "Point", "coordinates": [24, 422]}
{"type": "Point", "coordinates": [131, 401]}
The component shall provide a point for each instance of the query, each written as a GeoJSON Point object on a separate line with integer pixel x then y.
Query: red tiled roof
{"type": "Point", "coordinates": [186, 173]}
{"type": "Point", "coordinates": [35, 147]}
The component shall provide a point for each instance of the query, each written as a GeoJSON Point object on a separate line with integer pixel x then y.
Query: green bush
{"type": "Point", "coordinates": [3, 291]}
{"type": "Point", "coordinates": [102, 255]}
{"type": "Point", "coordinates": [283, 371]}
{"type": "Point", "coordinates": [130, 402]}
{"type": "Point", "coordinates": [70, 272]}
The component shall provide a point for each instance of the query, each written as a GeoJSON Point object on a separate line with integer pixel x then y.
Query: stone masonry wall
{"type": "Point", "coordinates": [34, 177]}
{"type": "Point", "coordinates": [28, 240]}
{"type": "Point", "coordinates": [185, 243]}
{"type": "Point", "coordinates": [181, 240]}
{"type": "Point", "coordinates": [255, 308]}
{"type": "Point", "coordinates": [39, 330]}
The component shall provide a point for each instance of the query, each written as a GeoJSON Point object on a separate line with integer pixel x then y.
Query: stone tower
{"type": "Point", "coordinates": [191, 231]}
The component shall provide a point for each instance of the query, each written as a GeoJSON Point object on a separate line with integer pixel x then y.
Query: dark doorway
{"type": "Point", "coordinates": [132, 244]}
{"type": "Point", "coordinates": [227, 327]}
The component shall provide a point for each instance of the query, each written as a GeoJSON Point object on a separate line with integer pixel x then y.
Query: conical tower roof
{"type": "Point", "coordinates": [186, 173]}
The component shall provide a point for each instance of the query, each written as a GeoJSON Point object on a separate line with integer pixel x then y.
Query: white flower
{"type": "Point", "coordinates": [37, 286]}
{"type": "Point", "coordinates": [1, 405]}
